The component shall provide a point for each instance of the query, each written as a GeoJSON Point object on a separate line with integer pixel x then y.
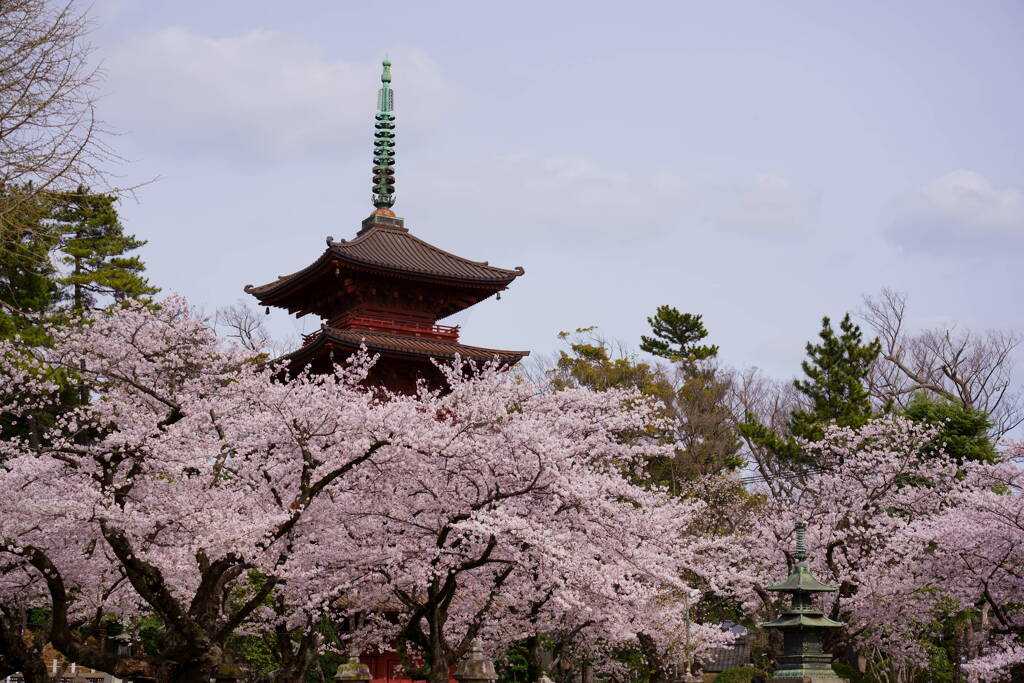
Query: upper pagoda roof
{"type": "Point", "coordinates": [393, 249]}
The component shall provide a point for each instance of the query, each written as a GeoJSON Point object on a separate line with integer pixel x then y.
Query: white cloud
{"type": "Point", "coordinates": [563, 195]}
{"type": "Point", "coordinates": [260, 95]}
{"type": "Point", "coordinates": [770, 206]}
{"type": "Point", "coordinates": [571, 196]}
{"type": "Point", "coordinates": [960, 211]}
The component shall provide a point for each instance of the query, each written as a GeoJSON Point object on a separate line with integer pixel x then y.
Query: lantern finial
{"type": "Point", "coordinates": [801, 541]}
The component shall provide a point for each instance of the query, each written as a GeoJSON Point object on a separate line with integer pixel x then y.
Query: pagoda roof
{"type": "Point", "coordinates": [393, 249]}
{"type": "Point", "coordinates": [801, 580]}
{"type": "Point", "coordinates": [402, 345]}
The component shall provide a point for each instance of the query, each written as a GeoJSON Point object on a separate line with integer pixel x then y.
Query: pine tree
{"type": "Point", "coordinates": [94, 250]}
{"type": "Point", "coordinates": [65, 253]}
{"type": "Point", "coordinates": [835, 387]}
{"type": "Point", "coordinates": [28, 288]}
{"type": "Point", "coordinates": [704, 423]}
{"type": "Point", "coordinates": [676, 335]}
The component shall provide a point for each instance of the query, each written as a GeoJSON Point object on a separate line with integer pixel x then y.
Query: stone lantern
{"type": "Point", "coordinates": [475, 667]}
{"type": "Point", "coordinates": [803, 659]}
{"type": "Point", "coordinates": [353, 670]}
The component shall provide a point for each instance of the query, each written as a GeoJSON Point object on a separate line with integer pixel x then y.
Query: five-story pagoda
{"type": "Point", "coordinates": [387, 289]}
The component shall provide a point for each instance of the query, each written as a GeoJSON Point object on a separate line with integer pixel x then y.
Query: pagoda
{"type": "Point", "coordinates": [803, 656]}
{"type": "Point", "coordinates": [386, 289]}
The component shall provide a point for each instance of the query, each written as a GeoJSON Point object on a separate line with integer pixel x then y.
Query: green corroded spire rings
{"type": "Point", "coordinates": [384, 143]}
{"type": "Point", "coordinates": [801, 541]}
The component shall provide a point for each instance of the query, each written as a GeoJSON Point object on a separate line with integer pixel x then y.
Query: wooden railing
{"type": "Point", "coordinates": [408, 328]}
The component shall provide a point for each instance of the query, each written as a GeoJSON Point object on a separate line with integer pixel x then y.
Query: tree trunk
{"type": "Point", "coordinates": [190, 673]}
{"type": "Point", "coordinates": [534, 666]}
{"type": "Point", "coordinates": [34, 670]}
{"type": "Point", "coordinates": [440, 669]}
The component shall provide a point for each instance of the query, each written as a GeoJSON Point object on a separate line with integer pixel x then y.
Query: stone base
{"type": "Point", "coordinates": [811, 679]}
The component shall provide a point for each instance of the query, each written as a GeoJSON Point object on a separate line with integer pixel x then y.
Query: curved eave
{"type": "Point", "coordinates": [339, 252]}
{"type": "Point", "coordinates": [802, 621]}
{"type": "Point", "coordinates": [801, 580]}
{"type": "Point", "coordinates": [285, 282]}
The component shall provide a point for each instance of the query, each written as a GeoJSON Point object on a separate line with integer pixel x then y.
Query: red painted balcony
{"type": "Point", "coordinates": [405, 327]}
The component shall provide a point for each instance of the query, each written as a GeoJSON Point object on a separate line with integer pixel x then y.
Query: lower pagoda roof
{"type": "Point", "coordinates": [400, 345]}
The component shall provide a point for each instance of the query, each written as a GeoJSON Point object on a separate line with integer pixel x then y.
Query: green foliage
{"type": "Point", "coordinates": [742, 674]}
{"type": "Point", "coordinates": [325, 667]}
{"type": "Point", "coordinates": [633, 658]}
{"type": "Point", "coordinates": [64, 251]}
{"type": "Point", "coordinates": [850, 674]}
{"type": "Point", "coordinates": [940, 668]}
{"type": "Point", "coordinates": [964, 431]}
{"type": "Point", "coordinates": [93, 249]}
{"type": "Point", "coordinates": [676, 335]}
{"type": "Point", "coordinates": [252, 653]}
{"type": "Point", "coordinates": [589, 363]}
{"type": "Point", "coordinates": [704, 422]}
{"type": "Point", "coordinates": [514, 666]}
{"type": "Point", "coordinates": [28, 288]}
{"type": "Point", "coordinates": [693, 398]}
{"type": "Point", "coordinates": [835, 387]}
{"type": "Point", "coordinates": [837, 370]}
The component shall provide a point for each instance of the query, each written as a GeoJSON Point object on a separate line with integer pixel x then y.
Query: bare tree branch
{"type": "Point", "coordinates": [50, 137]}
{"type": "Point", "coordinates": [965, 367]}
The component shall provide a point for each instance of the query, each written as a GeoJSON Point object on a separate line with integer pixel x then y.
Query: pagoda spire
{"type": "Point", "coordinates": [384, 144]}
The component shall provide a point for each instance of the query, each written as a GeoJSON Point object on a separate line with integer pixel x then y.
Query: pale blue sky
{"type": "Point", "coordinates": [761, 163]}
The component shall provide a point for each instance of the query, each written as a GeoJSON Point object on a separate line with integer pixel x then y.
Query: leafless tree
{"type": "Point", "coordinates": [969, 368]}
{"type": "Point", "coordinates": [243, 323]}
{"type": "Point", "coordinates": [771, 402]}
{"type": "Point", "coordinates": [50, 137]}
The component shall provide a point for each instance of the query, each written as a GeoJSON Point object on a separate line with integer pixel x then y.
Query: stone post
{"type": "Point", "coordinates": [475, 667]}
{"type": "Point", "coordinates": [353, 670]}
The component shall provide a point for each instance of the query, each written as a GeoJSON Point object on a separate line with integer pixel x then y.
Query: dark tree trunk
{"type": "Point", "coordinates": [18, 653]}
{"type": "Point", "coordinates": [193, 672]}
{"type": "Point", "coordinates": [34, 670]}
{"type": "Point", "coordinates": [534, 665]}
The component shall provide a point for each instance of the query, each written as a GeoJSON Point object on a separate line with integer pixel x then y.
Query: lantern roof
{"type": "Point", "coordinates": [801, 580]}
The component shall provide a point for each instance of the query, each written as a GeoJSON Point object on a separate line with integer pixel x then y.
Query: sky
{"type": "Point", "coordinates": [760, 163]}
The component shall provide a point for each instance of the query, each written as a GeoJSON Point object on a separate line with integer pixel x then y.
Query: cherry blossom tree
{"type": "Point", "coordinates": [510, 515]}
{"type": "Point", "coordinates": [198, 487]}
{"type": "Point", "coordinates": [910, 537]}
{"type": "Point", "coordinates": [187, 474]}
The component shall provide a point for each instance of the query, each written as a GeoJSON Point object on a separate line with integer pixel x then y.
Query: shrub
{"type": "Point", "coordinates": [741, 674]}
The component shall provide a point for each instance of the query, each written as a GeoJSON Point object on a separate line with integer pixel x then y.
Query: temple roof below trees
{"type": "Point", "coordinates": [349, 341]}
{"type": "Point", "coordinates": [393, 249]}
